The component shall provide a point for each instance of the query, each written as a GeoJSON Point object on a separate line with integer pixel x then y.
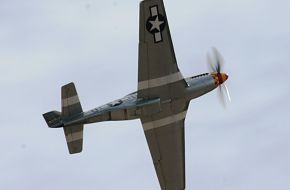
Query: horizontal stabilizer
{"type": "Point", "coordinates": [74, 138]}
{"type": "Point", "coordinates": [70, 103]}
{"type": "Point", "coordinates": [71, 106]}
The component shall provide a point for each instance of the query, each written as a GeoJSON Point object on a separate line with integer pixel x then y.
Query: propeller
{"type": "Point", "coordinates": [215, 63]}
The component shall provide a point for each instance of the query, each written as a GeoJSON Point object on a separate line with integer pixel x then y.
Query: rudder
{"type": "Point", "coordinates": [53, 119]}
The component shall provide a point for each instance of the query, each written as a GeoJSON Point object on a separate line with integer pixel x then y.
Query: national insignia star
{"type": "Point", "coordinates": [156, 24]}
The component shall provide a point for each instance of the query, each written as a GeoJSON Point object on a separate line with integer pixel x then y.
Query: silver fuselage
{"type": "Point", "coordinates": [130, 107]}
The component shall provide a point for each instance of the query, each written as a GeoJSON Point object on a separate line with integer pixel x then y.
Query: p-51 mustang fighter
{"type": "Point", "coordinates": [161, 101]}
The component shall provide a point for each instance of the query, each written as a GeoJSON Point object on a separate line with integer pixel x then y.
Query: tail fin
{"type": "Point", "coordinates": [53, 119]}
{"type": "Point", "coordinates": [71, 106]}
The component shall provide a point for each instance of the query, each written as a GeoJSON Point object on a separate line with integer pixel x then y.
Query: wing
{"type": "Point", "coordinates": [159, 77]}
{"type": "Point", "coordinates": [158, 73]}
{"type": "Point", "coordinates": [165, 138]}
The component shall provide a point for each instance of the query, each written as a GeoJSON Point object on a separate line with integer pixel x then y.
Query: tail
{"type": "Point", "coordinates": [70, 106]}
{"type": "Point", "coordinates": [53, 119]}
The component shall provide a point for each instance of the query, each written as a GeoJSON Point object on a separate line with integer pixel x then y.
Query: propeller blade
{"type": "Point", "coordinates": [223, 93]}
{"type": "Point", "coordinates": [215, 63]}
{"type": "Point", "coordinates": [210, 63]}
{"type": "Point", "coordinates": [222, 97]}
{"type": "Point", "coordinates": [227, 92]}
{"type": "Point", "coordinates": [218, 59]}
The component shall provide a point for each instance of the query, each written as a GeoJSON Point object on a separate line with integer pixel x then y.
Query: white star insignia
{"type": "Point", "coordinates": [156, 24]}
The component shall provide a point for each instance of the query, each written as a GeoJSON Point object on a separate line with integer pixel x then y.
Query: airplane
{"type": "Point", "coordinates": [160, 102]}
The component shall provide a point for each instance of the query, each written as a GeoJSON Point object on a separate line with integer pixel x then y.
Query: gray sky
{"type": "Point", "coordinates": [46, 44]}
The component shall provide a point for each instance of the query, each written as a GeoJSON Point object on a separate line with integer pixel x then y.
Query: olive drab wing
{"type": "Point", "coordinates": [158, 73]}
{"type": "Point", "coordinates": [159, 76]}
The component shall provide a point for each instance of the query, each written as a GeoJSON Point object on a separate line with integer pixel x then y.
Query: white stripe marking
{"type": "Point", "coordinates": [70, 101]}
{"type": "Point", "coordinates": [165, 121]}
{"type": "Point", "coordinates": [154, 11]}
{"type": "Point", "coordinates": [160, 81]}
{"type": "Point", "coordinates": [158, 37]}
{"type": "Point", "coordinates": [74, 136]}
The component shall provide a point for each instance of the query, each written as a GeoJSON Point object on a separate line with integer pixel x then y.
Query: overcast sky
{"type": "Point", "coordinates": [46, 44]}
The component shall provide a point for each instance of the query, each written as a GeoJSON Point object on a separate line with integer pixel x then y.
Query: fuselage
{"type": "Point", "coordinates": [130, 107]}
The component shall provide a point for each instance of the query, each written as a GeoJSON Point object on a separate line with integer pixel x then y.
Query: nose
{"type": "Point", "coordinates": [220, 78]}
{"type": "Point", "coordinates": [224, 77]}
